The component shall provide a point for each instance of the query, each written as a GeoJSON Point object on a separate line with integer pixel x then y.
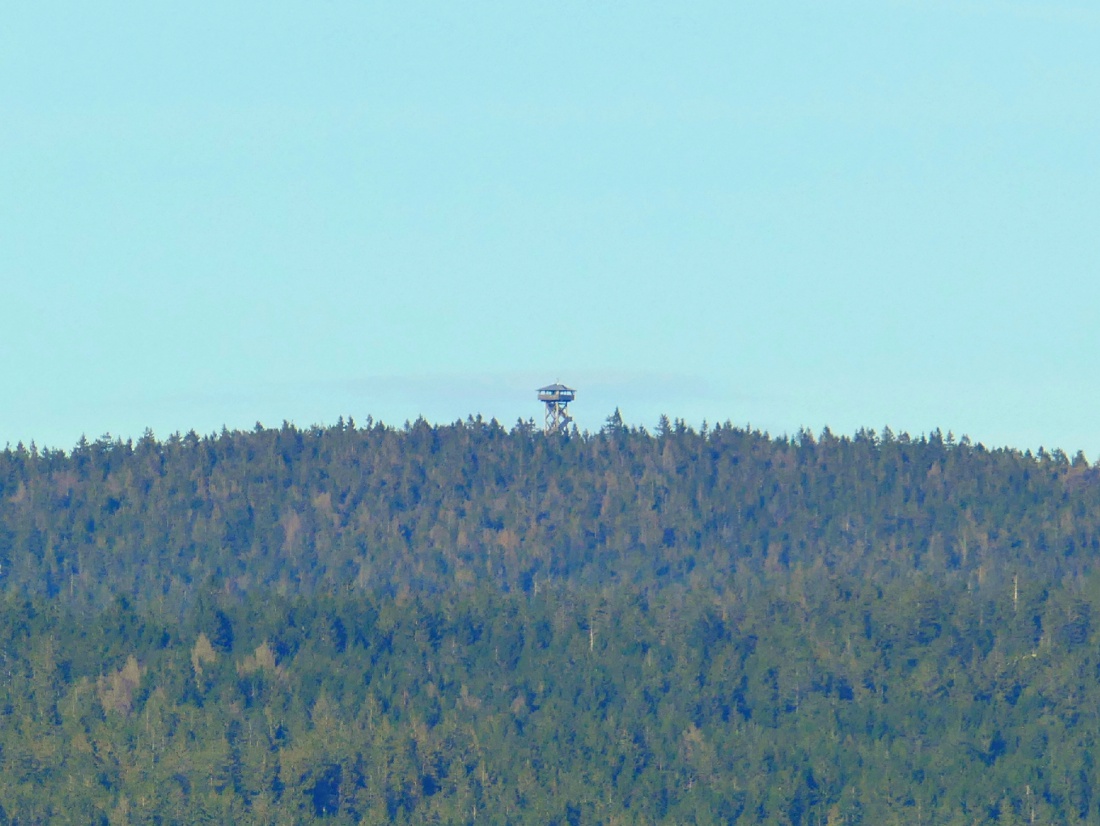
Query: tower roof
{"type": "Point", "coordinates": [556, 388]}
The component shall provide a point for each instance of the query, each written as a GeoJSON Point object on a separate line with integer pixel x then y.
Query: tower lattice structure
{"type": "Point", "coordinates": [556, 397]}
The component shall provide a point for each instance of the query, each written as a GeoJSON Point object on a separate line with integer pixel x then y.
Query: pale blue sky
{"type": "Point", "coordinates": [784, 214]}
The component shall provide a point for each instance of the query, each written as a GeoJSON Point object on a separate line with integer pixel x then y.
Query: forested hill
{"type": "Point", "coordinates": [429, 508]}
{"type": "Point", "coordinates": [468, 624]}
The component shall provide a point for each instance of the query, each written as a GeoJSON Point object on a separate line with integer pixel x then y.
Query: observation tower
{"type": "Point", "coordinates": [556, 397]}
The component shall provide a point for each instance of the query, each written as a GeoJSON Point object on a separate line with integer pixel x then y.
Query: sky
{"type": "Point", "coordinates": [857, 213]}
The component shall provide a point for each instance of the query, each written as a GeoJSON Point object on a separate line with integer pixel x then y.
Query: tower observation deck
{"type": "Point", "coordinates": [556, 397]}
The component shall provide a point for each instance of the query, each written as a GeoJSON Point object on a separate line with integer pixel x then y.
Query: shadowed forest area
{"type": "Point", "coordinates": [469, 624]}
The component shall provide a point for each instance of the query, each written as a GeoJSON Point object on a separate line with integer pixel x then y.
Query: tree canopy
{"type": "Point", "coordinates": [465, 623]}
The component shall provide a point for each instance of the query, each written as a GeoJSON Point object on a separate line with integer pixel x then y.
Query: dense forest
{"type": "Point", "coordinates": [470, 624]}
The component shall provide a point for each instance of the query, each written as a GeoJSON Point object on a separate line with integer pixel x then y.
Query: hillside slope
{"type": "Point", "coordinates": [466, 624]}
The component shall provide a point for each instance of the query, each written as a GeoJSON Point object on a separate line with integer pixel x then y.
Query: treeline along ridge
{"type": "Point", "coordinates": [464, 623]}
